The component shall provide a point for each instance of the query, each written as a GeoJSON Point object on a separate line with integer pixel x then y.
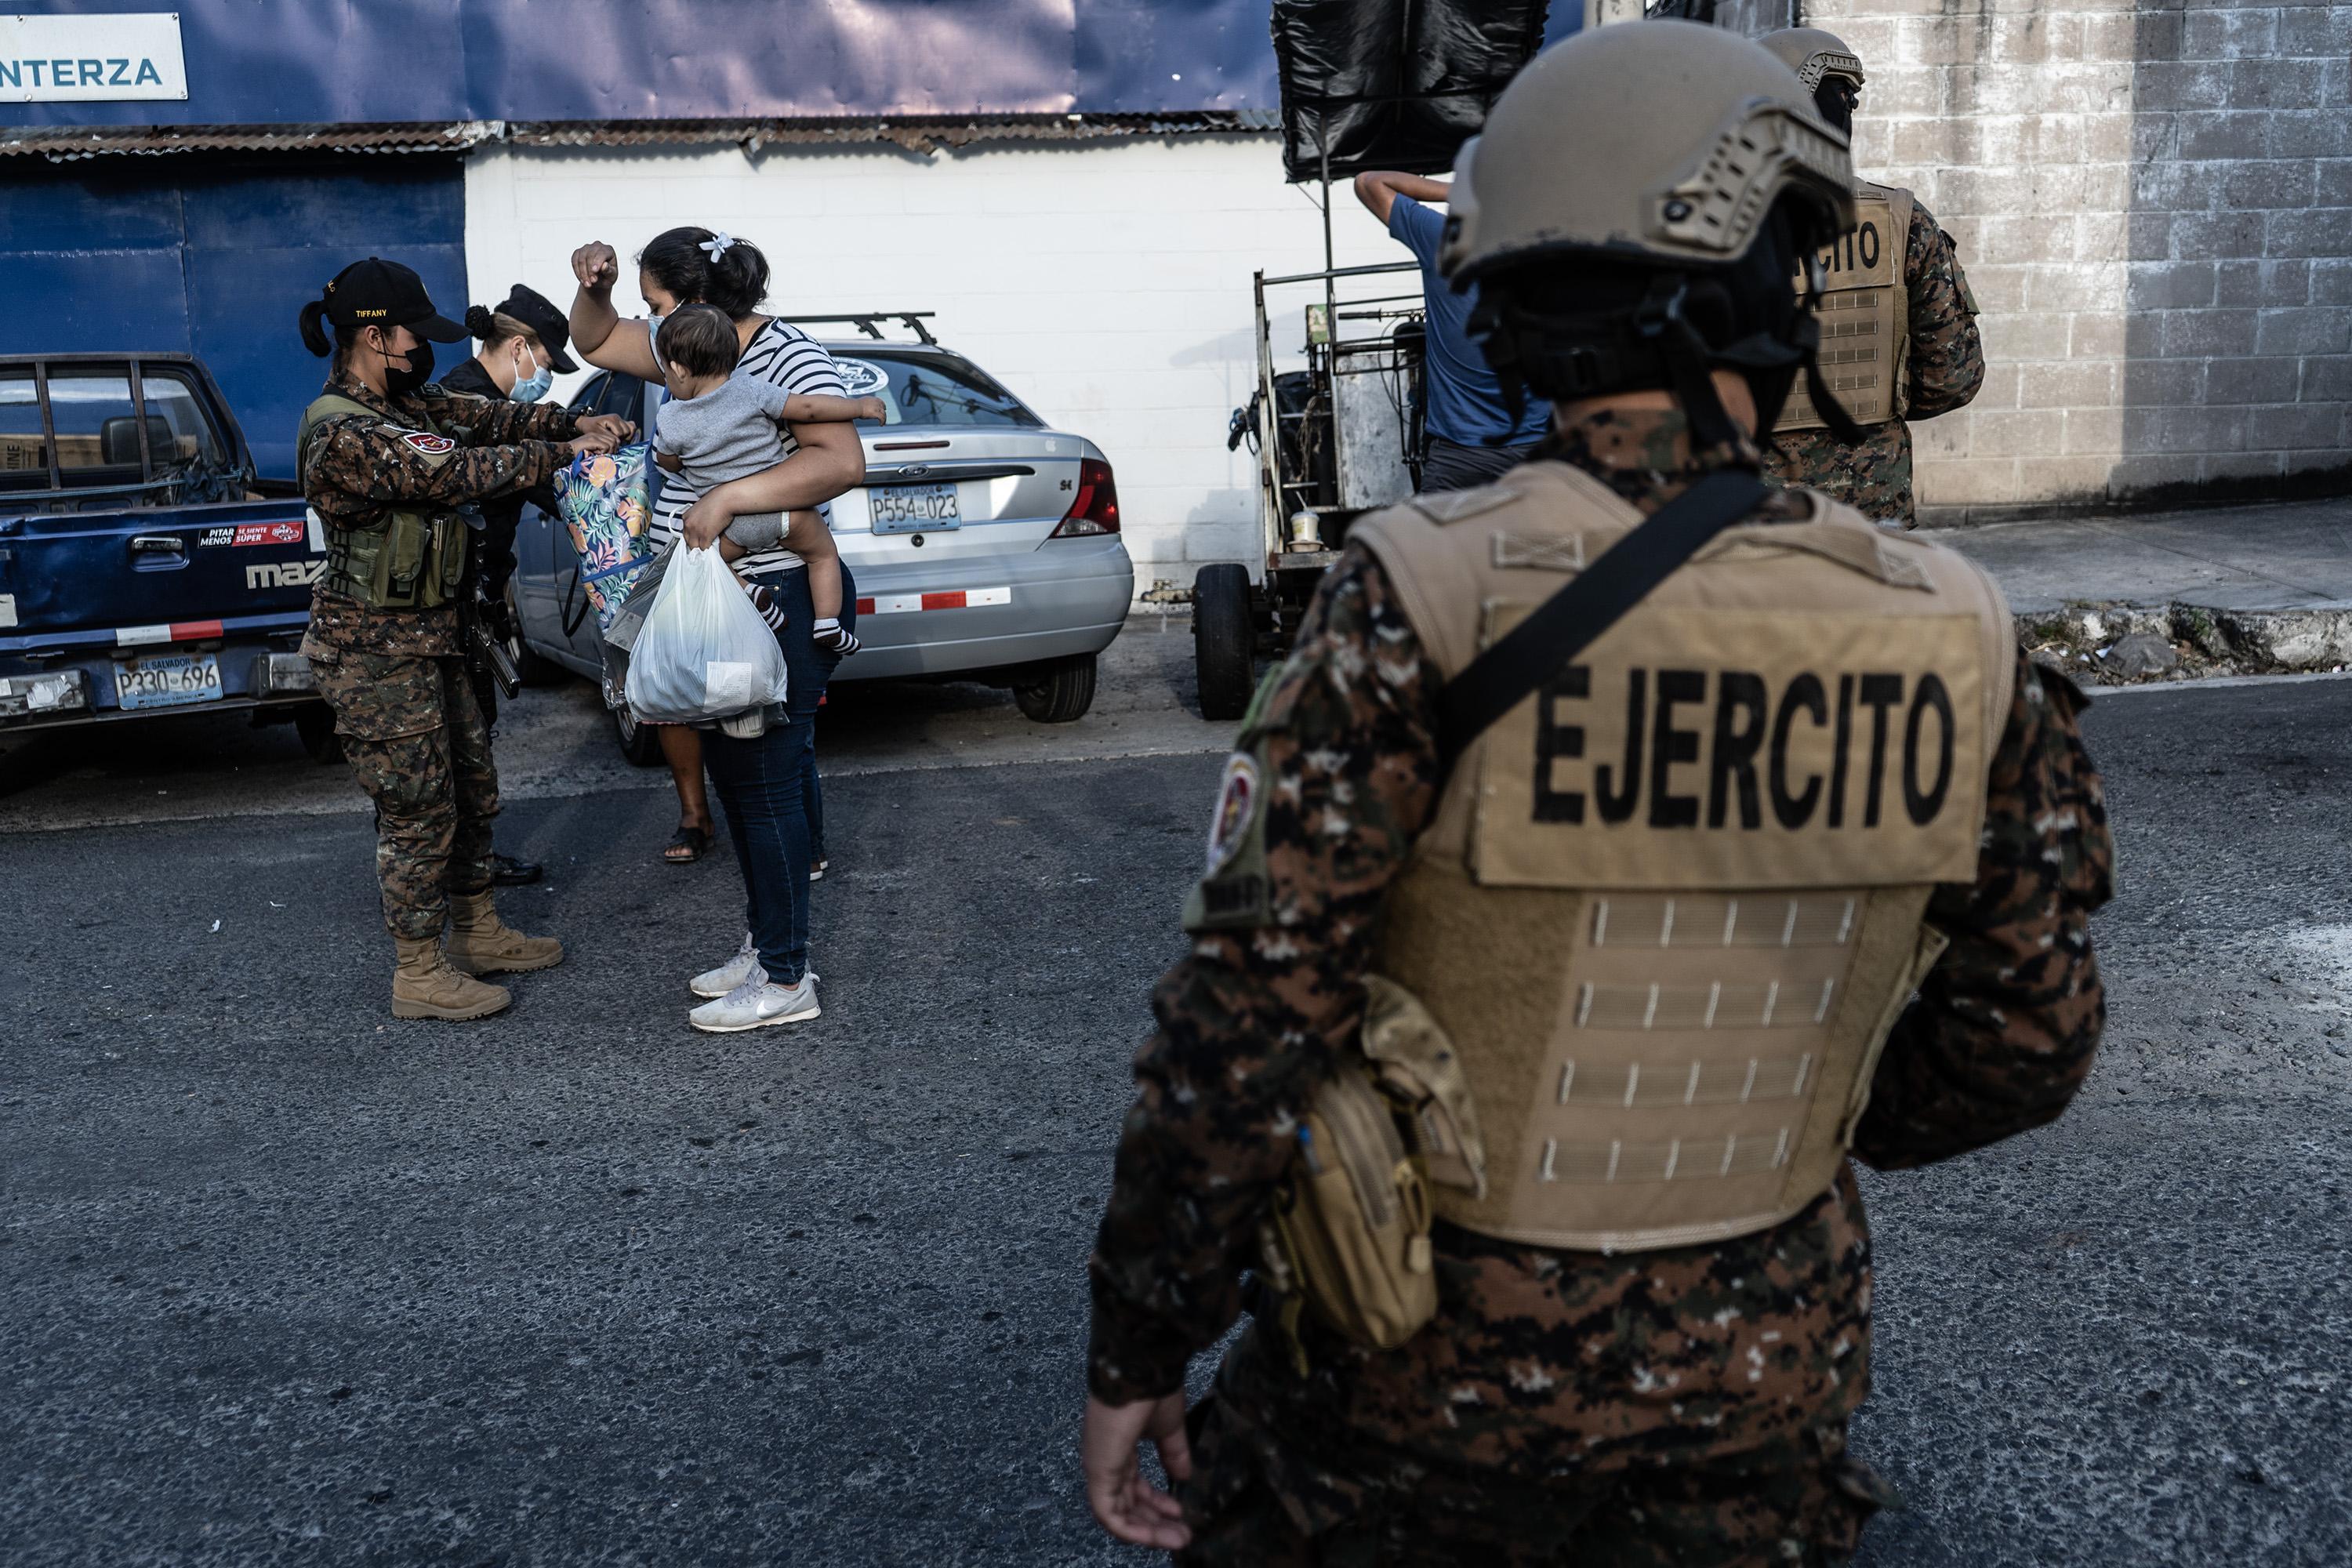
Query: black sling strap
{"type": "Point", "coordinates": [1565, 625]}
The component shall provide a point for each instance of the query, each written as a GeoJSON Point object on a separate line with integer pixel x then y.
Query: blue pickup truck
{"type": "Point", "coordinates": [143, 569]}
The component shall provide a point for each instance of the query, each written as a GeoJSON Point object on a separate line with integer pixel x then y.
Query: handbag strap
{"type": "Point", "coordinates": [1565, 625]}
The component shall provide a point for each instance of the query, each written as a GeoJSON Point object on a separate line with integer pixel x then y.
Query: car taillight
{"type": "Point", "coordinates": [1094, 509]}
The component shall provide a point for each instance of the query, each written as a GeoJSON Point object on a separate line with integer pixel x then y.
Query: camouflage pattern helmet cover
{"type": "Point", "coordinates": [1814, 54]}
{"type": "Point", "coordinates": [1661, 142]}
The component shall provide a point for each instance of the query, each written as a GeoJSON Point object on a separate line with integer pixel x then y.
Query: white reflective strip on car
{"type": "Point", "coordinates": [907, 603]}
{"type": "Point", "coordinates": [139, 637]}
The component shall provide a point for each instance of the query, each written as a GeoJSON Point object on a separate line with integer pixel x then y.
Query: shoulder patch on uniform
{"type": "Point", "coordinates": [424, 441]}
{"type": "Point", "coordinates": [1237, 802]}
{"type": "Point", "coordinates": [1539, 551]}
{"type": "Point", "coordinates": [1235, 892]}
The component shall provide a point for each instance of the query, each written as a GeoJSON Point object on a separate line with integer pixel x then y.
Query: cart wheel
{"type": "Point", "coordinates": [1224, 640]}
{"type": "Point", "coordinates": [641, 743]}
{"type": "Point", "coordinates": [315, 723]}
{"type": "Point", "coordinates": [1062, 693]}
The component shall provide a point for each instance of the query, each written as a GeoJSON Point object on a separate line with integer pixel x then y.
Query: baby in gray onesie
{"type": "Point", "coordinates": [718, 427]}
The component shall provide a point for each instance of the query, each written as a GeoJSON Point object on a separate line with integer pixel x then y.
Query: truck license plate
{"type": "Point", "coordinates": [914, 509]}
{"type": "Point", "coordinates": [168, 679]}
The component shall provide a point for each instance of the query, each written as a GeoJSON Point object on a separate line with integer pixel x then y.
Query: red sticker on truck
{"type": "Point", "coordinates": [254, 533]}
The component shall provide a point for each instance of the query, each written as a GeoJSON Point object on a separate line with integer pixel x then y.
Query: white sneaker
{"type": "Point", "coordinates": [727, 976]}
{"type": "Point", "coordinates": [816, 871]}
{"type": "Point", "coordinates": [756, 1003]}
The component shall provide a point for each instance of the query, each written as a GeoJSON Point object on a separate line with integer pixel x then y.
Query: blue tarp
{"type": "Point", "coordinates": [370, 61]}
{"type": "Point", "coordinates": [279, 62]}
{"type": "Point", "coordinates": [182, 255]}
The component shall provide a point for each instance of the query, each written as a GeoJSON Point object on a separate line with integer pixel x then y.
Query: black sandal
{"type": "Point", "coordinates": [694, 841]}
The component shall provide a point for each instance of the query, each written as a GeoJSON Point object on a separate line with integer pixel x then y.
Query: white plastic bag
{"type": "Point", "coordinates": [704, 652]}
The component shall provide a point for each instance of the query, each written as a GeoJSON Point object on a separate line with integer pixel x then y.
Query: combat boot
{"type": "Point", "coordinates": [425, 986]}
{"type": "Point", "coordinates": [481, 943]}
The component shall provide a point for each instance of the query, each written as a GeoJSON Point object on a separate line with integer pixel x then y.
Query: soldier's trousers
{"type": "Point", "coordinates": [1799, 1504]}
{"type": "Point", "coordinates": [416, 740]}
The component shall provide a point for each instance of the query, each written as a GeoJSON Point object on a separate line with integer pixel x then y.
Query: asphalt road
{"type": "Point", "coordinates": [283, 1282]}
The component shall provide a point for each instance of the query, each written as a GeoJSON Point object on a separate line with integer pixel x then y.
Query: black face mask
{"type": "Point", "coordinates": [417, 370]}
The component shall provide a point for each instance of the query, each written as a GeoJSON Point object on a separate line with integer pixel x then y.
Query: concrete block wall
{"type": "Point", "coordinates": [2238, 334]}
{"type": "Point", "coordinates": [1107, 283]}
{"type": "Point", "coordinates": [2153, 203]}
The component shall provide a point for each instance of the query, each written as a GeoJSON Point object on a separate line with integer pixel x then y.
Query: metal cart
{"type": "Point", "coordinates": [1333, 440]}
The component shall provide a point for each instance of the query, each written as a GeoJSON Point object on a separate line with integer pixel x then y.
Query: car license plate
{"type": "Point", "coordinates": [168, 679]}
{"type": "Point", "coordinates": [914, 509]}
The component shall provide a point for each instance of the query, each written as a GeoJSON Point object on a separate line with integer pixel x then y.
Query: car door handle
{"type": "Point", "coordinates": [158, 544]}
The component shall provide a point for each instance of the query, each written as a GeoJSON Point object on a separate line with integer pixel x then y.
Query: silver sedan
{"type": "Point", "coordinates": [984, 545]}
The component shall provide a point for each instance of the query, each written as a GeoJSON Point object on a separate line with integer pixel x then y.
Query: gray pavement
{"type": "Point", "coordinates": [2273, 556]}
{"type": "Point", "coordinates": [282, 1282]}
{"type": "Point", "coordinates": [557, 743]}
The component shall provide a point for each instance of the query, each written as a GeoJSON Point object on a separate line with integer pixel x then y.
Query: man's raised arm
{"type": "Point", "coordinates": [1378, 189]}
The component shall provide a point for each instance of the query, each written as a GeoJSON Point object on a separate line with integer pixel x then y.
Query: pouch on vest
{"type": "Point", "coordinates": [1349, 1234]}
{"type": "Point", "coordinates": [412, 561]}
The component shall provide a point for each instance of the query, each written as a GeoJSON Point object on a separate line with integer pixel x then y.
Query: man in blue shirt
{"type": "Point", "coordinates": [1472, 436]}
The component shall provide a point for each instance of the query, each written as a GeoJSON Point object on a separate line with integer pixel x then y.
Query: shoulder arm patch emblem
{"type": "Point", "coordinates": [1236, 805]}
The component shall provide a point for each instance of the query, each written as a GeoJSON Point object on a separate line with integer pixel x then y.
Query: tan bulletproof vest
{"type": "Point", "coordinates": [1864, 314]}
{"type": "Point", "coordinates": [1669, 907]}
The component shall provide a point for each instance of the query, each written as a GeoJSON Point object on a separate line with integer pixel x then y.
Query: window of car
{"type": "Point", "coordinates": [24, 454]}
{"type": "Point", "coordinates": [174, 399]}
{"type": "Point", "coordinates": [84, 418]}
{"type": "Point", "coordinates": [97, 427]}
{"type": "Point", "coordinates": [931, 388]}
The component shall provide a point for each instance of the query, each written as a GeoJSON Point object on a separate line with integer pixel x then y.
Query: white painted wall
{"type": "Point", "coordinates": [1107, 283]}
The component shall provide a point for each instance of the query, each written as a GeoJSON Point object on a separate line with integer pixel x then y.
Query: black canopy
{"type": "Point", "coordinates": [1393, 84]}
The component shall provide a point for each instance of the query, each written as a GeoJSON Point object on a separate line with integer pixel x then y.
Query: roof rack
{"type": "Point", "coordinates": [869, 322]}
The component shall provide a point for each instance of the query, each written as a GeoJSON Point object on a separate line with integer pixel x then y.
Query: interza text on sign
{"type": "Point", "coordinates": [91, 59]}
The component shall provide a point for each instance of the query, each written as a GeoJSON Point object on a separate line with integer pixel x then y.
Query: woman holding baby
{"type": "Point", "coordinates": [767, 783]}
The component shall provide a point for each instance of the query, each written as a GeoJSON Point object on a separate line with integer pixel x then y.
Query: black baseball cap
{"type": "Point", "coordinates": [535, 311]}
{"type": "Point", "coordinates": [379, 293]}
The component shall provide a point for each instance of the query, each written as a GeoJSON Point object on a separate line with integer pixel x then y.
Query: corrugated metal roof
{"type": "Point", "coordinates": [920, 135]}
{"type": "Point", "coordinates": [62, 144]}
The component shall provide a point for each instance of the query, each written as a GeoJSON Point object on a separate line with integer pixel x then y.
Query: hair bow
{"type": "Point", "coordinates": [716, 246]}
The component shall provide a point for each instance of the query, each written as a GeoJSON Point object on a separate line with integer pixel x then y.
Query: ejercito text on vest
{"type": "Point", "coordinates": [1700, 853]}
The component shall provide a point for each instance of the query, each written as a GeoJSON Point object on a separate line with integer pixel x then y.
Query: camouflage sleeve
{"type": "Point", "coordinates": [502, 421]}
{"type": "Point", "coordinates": [2004, 1029]}
{"type": "Point", "coordinates": [355, 465]}
{"type": "Point", "coordinates": [1946, 353]}
{"type": "Point", "coordinates": [1336, 776]}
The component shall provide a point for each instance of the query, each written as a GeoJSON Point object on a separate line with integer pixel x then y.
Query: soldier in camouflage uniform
{"type": "Point", "coordinates": [386, 460]}
{"type": "Point", "coordinates": [1677, 1405]}
{"type": "Point", "coordinates": [1945, 356]}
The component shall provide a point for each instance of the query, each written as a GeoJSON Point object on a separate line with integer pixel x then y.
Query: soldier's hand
{"type": "Point", "coordinates": [596, 267]}
{"type": "Point", "coordinates": [589, 446]}
{"type": "Point", "coordinates": [1124, 1503]}
{"type": "Point", "coordinates": [612, 425]}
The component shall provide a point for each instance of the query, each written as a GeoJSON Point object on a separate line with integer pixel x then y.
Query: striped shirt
{"type": "Point", "coordinates": [784, 356]}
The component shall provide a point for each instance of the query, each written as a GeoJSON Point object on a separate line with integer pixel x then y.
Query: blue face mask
{"type": "Point", "coordinates": [540, 383]}
{"type": "Point", "coordinates": [660, 382]}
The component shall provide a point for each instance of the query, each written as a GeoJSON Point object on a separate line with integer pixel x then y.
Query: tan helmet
{"type": "Point", "coordinates": [1663, 142]}
{"type": "Point", "coordinates": [1814, 54]}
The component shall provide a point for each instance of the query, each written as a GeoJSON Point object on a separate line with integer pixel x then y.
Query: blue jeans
{"type": "Point", "coordinates": [768, 788]}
